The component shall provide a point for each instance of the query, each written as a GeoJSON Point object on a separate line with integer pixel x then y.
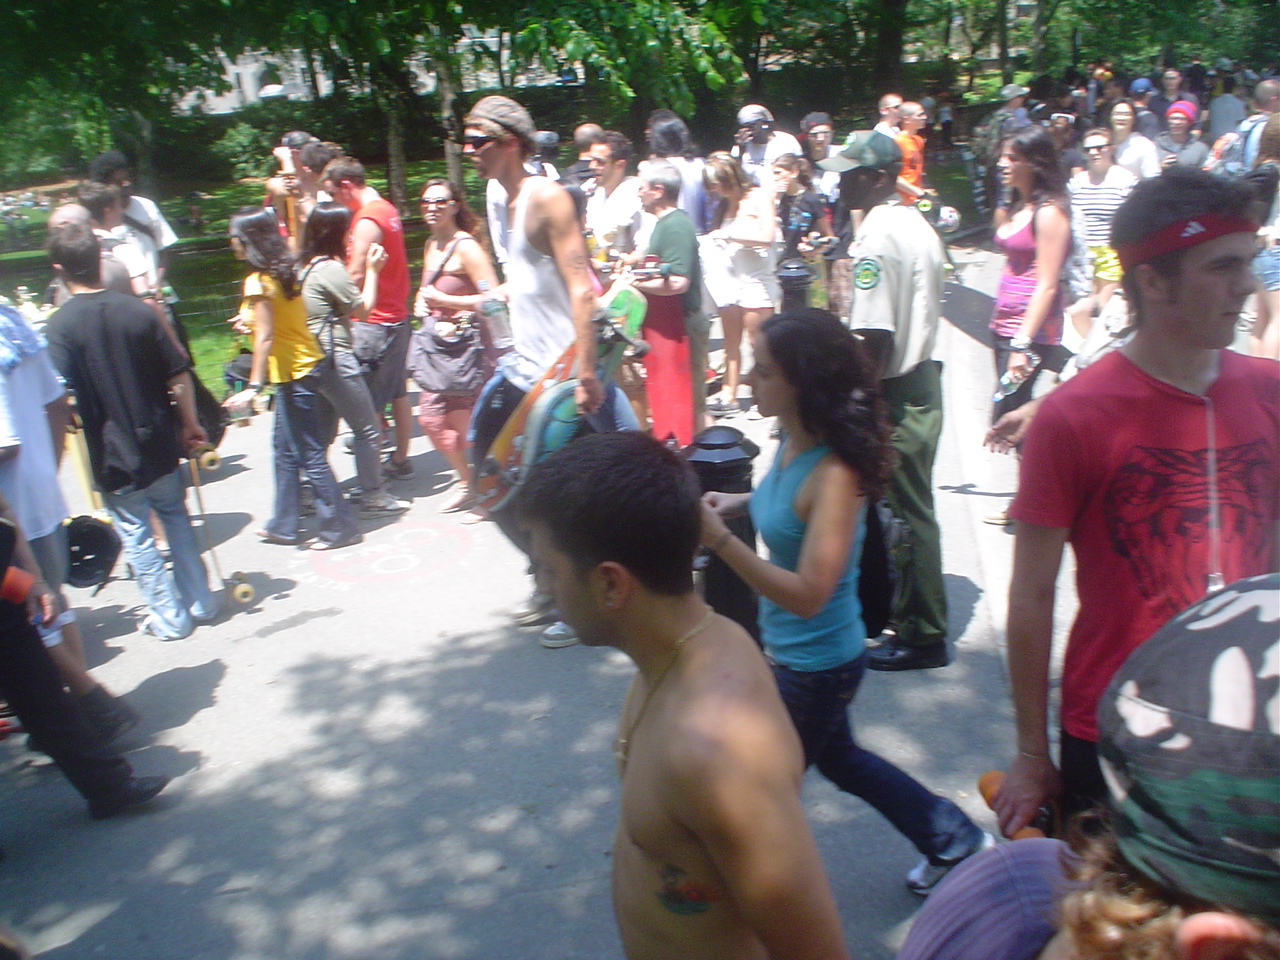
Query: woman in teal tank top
{"type": "Point", "coordinates": [810, 372]}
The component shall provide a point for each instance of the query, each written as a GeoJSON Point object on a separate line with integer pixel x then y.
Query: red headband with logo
{"type": "Point", "coordinates": [1181, 235]}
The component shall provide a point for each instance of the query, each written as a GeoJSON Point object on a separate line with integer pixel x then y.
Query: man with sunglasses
{"type": "Point", "coordinates": [550, 298]}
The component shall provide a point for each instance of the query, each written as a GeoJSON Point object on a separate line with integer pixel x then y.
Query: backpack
{"type": "Point", "coordinates": [1075, 279]}
{"type": "Point", "coordinates": [1227, 157]}
{"type": "Point", "coordinates": [987, 137]}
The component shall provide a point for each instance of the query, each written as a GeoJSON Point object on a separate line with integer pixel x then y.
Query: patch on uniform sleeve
{"type": "Point", "coordinates": [866, 273]}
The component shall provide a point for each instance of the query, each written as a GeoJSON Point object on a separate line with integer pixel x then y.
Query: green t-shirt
{"type": "Point", "coordinates": [328, 291]}
{"type": "Point", "coordinates": [674, 241]}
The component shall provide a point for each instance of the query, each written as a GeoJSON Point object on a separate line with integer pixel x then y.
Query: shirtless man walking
{"type": "Point", "coordinates": [713, 856]}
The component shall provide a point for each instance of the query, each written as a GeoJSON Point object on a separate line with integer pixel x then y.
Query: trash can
{"type": "Point", "coordinates": [794, 278]}
{"type": "Point", "coordinates": [721, 457]}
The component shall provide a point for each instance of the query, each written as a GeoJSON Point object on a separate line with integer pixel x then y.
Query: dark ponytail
{"type": "Point", "coordinates": [836, 391]}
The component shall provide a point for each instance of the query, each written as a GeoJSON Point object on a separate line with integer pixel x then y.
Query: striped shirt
{"type": "Point", "coordinates": [1094, 204]}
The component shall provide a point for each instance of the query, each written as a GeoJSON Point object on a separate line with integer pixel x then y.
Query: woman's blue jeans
{"type": "Point", "coordinates": [819, 706]}
{"type": "Point", "coordinates": [300, 440]}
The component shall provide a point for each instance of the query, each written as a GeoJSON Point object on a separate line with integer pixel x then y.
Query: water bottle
{"type": "Point", "coordinates": [1008, 383]}
{"type": "Point", "coordinates": [496, 318]}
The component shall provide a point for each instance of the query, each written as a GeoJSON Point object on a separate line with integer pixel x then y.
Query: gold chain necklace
{"type": "Point", "coordinates": [622, 744]}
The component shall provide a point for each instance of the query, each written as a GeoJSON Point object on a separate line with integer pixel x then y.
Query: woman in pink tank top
{"type": "Point", "coordinates": [1034, 234]}
{"type": "Point", "coordinates": [454, 264]}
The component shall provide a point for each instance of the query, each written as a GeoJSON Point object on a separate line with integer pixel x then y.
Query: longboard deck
{"type": "Point", "coordinates": [511, 452]}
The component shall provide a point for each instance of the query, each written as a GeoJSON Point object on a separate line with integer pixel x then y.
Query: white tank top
{"type": "Point", "coordinates": [541, 317]}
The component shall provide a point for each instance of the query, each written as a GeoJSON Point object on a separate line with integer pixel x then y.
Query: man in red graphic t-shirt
{"type": "Point", "coordinates": [381, 341]}
{"type": "Point", "coordinates": [1158, 463]}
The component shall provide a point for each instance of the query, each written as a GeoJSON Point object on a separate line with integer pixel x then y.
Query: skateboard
{"type": "Point", "coordinates": [207, 458]}
{"type": "Point", "coordinates": [548, 418]}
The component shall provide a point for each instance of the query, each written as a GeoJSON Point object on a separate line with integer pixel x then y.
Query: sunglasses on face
{"type": "Point", "coordinates": [436, 201]}
{"type": "Point", "coordinates": [476, 141]}
{"type": "Point", "coordinates": [1097, 148]}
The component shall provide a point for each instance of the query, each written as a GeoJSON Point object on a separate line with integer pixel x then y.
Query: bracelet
{"type": "Point", "coordinates": [721, 541]}
{"type": "Point", "coordinates": [255, 387]}
{"type": "Point", "coordinates": [1020, 344]}
{"type": "Point", "coordinates": [1033, 756]}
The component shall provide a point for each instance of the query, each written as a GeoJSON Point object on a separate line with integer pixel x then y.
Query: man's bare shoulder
{"type": "Point", "coordinates": [732, 721]}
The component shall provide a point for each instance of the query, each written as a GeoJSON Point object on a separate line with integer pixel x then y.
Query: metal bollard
{"type": "Point", "coordinates": [794, 278]}
{"type": "Point", "coordinates": [721, 457]}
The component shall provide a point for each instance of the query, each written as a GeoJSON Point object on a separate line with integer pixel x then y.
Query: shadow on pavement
{"type": "Point", "coordinates": [458, 805]}
{"type": "Point", "coordinates": [969, 310]}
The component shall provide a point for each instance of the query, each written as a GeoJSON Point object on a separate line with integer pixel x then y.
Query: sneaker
{"type": "Point", "coordinates": [926, 874]}
{"type": "Point", "coordinates": [754, 413]}
{"type": "Point", "coordinates": [383, 505]}
{"type": "Point", "coordinates": [538, 611]}
{"type": "Point", "coordinates": [134, 792]}
{"type": "Point", "coordinates": [559, 634]}
{"type": "Point", "coordinates": [397, 471]}
{"type": "Point", "coordinates": [722, 408]}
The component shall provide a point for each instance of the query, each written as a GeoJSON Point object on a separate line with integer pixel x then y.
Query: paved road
{"type": "Point", "coordinates": [371, 762]}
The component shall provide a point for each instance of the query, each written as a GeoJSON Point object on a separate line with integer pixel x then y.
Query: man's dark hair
{"type": "Point", "coordinates": [317, 154]}
{"type": "Point", "coordinates": [75, 249]}
{"type": "Point", "coordinates": [97, 197]}
{"type": "Point", "coordinates": [669, 135]}
{"type": "Point", "coordinates": [620, 497]}
{"type": "Point", "coordinates": [343, 168]}
{"type": "Point", "coordinates": [619, 146]}
{"type": "Point", "coordinates": [1179, 193]}
{"type": "Point", "coordinates": [105, 164]}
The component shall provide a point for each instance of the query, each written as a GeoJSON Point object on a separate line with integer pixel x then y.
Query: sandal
{"type": "Point", "coordinates": [475, 515]}
{"type": "Point", "coordinates": [266, 536]}
{"type": "Point", "coordinates": [320, 545]}
{"type": "Point", "coordinates": [462, 500]}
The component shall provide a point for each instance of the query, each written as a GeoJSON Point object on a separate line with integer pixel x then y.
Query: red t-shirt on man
{"type": "Point", "coordinates": [1121, 459]}
{"type": "Point", "coordinates": [393, 281]}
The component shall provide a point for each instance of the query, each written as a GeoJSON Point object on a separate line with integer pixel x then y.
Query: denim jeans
{"type": "Point", "coordinates": [819, 706]}
{"type": "Point", "coordinates": [172, 598]}
{"type": "Point", "coordinates": [299, 440]}
{"type": "Point", "coordinates": [343, 385]}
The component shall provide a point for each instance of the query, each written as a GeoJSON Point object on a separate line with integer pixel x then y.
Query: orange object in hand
{"type": "Point", "coordinates": [988, 785]}
{"type": "Point", "coordinates": [16, 585]}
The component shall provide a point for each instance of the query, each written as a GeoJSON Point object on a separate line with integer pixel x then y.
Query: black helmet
{"type": "Point", "coordinates": [93, 545]}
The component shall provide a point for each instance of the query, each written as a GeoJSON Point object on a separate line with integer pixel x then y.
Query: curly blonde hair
{"type": "Point", "coordinates": [1119, 914]}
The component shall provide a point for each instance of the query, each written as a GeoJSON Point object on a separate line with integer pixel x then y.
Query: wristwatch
{"type": "Point", "coordinates": [255, 387]}
{"type": "Point", "coordinates": [1020, 344]}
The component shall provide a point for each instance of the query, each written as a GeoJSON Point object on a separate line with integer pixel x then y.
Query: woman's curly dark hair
{"type": "Point", "coordinates": [836, 391]}
{"type": "Point", "coordinates": [258, 228]}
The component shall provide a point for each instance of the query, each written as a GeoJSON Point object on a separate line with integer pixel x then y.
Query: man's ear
{"type": "Point", "coordinates": [1213, 935]}
{"type": "Point", "coordinates": [612, 584]}
{"type": "Point", "coordinates": [1154, 286]}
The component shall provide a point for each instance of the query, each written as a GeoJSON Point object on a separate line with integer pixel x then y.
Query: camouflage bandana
{"type": "Point", "coordinates": [1190, 747]}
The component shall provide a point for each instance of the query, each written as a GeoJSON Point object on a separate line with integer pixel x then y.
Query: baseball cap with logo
{"type": "Point", "coordinates": [864, 148]}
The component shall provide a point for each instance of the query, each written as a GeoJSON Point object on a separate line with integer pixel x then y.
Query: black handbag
{"type": "Point", "coordinates": [453, 365]}
{"type": "Point", "coordinates": [449, 365]}
{"type": "Point", "coordinates": [878, 576]}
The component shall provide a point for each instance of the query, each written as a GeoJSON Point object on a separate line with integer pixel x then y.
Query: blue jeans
{"type": "Point", "coordinates": [819, 706]}
{"type": "Point", "coordinates": [173, 598]}
{"type": "Point", "coordinates": [299, 439]}
{"type": "Point", "coordinates": [342, 384]}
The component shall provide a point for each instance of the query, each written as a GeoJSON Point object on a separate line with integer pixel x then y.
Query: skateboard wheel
{"type": "Point", "coordinates": [241, 589]}
{"type": "Point", "coordinates": [210, 460]}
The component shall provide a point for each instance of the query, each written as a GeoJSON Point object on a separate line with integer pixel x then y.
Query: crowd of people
{"type": "Point", "coordinates": [1154, 452]}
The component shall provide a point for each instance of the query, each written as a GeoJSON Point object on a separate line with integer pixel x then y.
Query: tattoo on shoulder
{"type": "Point", "coordinates": [683, 895]}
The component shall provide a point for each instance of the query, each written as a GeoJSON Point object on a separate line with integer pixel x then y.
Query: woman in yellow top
{"type": "Point", "coordinates": [286, 350]}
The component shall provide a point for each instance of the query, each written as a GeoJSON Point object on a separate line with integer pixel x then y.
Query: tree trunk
{"type": "Point", "coordinates": [447, 92]}
{"type": "Point", "coordinates": [1002, 31]}
{"type": "Point", "coordinates": [891, 29]}
{"type": "Point", "coordinates": [1045, 10]}
{"type": "Point", "coordinates": [144, 168]}
{"type": "Point", "coordinates": [397, 175]}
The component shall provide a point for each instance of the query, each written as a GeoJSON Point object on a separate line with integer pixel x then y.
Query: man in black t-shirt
{"type": "Point", "coordinates": [135, 396]}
